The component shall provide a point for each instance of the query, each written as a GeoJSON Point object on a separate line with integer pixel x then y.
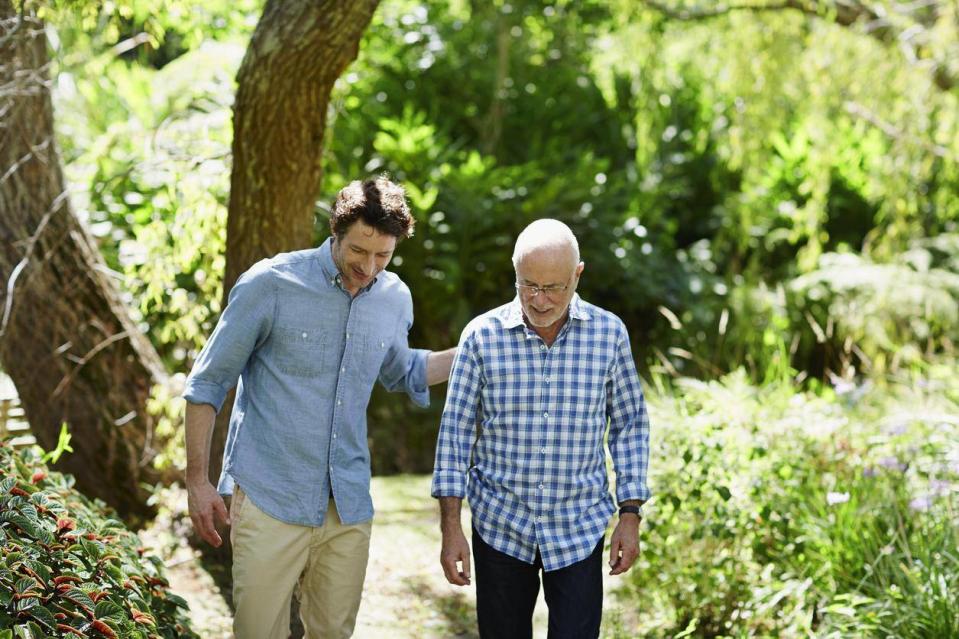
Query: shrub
{"type": "Point", "coordinates": [69, 568]}
{"type": "Point", "coordinates": [786, 513]}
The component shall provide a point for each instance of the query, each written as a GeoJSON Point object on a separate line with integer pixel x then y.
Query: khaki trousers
{"type": "Point", "coordinates": [271, 558]}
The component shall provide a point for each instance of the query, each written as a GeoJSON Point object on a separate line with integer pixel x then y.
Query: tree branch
{"type": "Point", "coordinates": [65, 381]}
{"type": "Point", "coordinates": [27, 253]}
{"type": "Point", "coordinates": [721, 9]}
{"type": "Point", "coordinates": [844, 13]}
{"type": "Point", "coordinates": [894, 132]}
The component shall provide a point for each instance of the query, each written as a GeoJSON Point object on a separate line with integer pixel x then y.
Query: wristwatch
{"type": "Point", "coordinates": [629, 509]}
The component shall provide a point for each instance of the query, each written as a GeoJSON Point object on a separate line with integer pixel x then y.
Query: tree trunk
{"type": "Point", "coordinates": [296, 54]}
{"type": "Point", "coordinates": [66, 339]}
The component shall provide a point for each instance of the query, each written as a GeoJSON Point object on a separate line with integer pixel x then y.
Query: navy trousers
{"type": "Point", "coordinates": [506, 591]}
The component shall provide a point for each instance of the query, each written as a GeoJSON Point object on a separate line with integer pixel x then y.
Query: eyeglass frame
{"type": "Point", "coordinates": [548, 291]}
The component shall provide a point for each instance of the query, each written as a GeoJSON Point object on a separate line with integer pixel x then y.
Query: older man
{"type": "Point", "coordinates": [534, 384]}
{"type": "Point", "coordinates": [306, 334]}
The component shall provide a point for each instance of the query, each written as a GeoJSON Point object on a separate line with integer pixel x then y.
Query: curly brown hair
{"type": "Point", "coordinates": [379, 202]}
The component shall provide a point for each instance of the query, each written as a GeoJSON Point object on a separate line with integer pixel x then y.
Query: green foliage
{"type": "Point", "coordinates": [780, 513]}
{"type": "Point", "coordinates": [726, 177]}
{"type": "Point", "coordinates": [151, 33]}
{"type": "Point", "coordinates": [69, 568]}
{"type": "Point", "coordinates": [772, 114]}
{"type": "Point", "coordinates": [153, 149]}
{"type": "Point", "coordinates": [883, 316]}
{"type": "Point", "coordinates": [63, 446]}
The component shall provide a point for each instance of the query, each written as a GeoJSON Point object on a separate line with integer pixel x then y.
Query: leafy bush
{"type": "Point", "coordinates": [781, 513]}
{"type": "Point", "coordinates": [69, 568]}
{"type": "Point", "coordinates": [883, 315]}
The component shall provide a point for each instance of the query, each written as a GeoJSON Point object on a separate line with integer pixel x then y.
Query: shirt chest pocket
{"type": "Point", "coordinates": [299, 351]}
{"type": "Point", "coordinates": [373, 348]}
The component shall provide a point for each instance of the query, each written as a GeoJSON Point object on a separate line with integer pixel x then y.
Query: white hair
{"type": "Point", "coordinates": [544, 233]}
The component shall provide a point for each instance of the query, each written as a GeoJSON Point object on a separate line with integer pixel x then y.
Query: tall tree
{"type": "Point", "coordinates": [66, 338]}
{"type": "Point", "coordinates": [297, 52]}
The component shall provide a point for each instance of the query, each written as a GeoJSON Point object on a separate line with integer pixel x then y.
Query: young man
{"type": "Point", "coordinates": [533, 386]}
{"type": "Point", "coordinates": [307, 334]}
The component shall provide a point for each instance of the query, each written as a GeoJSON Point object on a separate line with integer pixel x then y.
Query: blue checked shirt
{"type": "Point", "coordinates": [306, 354]}
{"type": "Point", "coordinates": [522, 432]}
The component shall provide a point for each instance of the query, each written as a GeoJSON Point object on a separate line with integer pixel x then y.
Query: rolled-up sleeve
{"type": "Point", "coordinates": [243, 326]}
{"type": "Point", "coordinates": [458, 424]}
{"type": "Point", "coordinates": [628, 425]}
{"type": "Point", "coordinates": [404, 369]}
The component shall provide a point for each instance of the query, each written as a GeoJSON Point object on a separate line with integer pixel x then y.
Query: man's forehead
{"type": "Point", "coordinates": [561, 256]}
{"type": "Point", "coordinates": [361, 234]}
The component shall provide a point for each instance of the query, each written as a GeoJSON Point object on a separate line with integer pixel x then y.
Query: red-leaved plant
{"type": "Point", "coordinates": [69, 568]}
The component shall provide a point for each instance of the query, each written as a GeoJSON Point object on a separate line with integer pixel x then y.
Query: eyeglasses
{"type": "Point", "coordinates": [552, 291]}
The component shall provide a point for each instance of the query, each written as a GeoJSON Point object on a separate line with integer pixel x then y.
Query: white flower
{"type": "Point", "coordinates": [836, 498]}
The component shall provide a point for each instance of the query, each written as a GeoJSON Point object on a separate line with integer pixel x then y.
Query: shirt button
{"type": "Point", "coordinates": [545, 415]}
{"type": "Point", "coordinates": [542, 347]}
{"type": "Point", "coordinates": [347, 336]}
{"type": "Point", "coordinates": [539, 518]}
{"type": "Point", "coordinates": [334, 435]}
{"type": "Point", "coordinates": [543, 450]}
{"type": "Point", "coordinates": [304, 335]}
{"type": "Point", "coordinates": [342, 369]}
{"type": "Point", "coordinates": [546, 379]}
{"type": "Point", "coordinates": [540, 486]}
{"type": "Point", "coordinates": [339, 402]}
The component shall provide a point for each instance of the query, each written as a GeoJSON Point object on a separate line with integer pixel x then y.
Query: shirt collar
{"type": "Point", "coordinates": [513, 315]}
{"type": "Point", "coordinates": [330, 272]}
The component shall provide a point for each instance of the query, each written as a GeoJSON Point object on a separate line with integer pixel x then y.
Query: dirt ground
{"type": "Point", "coordinates": [405, 596]}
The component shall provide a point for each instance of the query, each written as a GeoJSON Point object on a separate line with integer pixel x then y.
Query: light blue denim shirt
{"type": "Point", "coordinates": [306, 355]}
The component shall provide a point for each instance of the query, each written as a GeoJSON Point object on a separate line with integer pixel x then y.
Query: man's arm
{"type": "Point", "coordinates": [245, 323]}
{"type": "Point", "coordinates": [629, 447]}
{"type": "Point", "coordinates": [453, 447]}
{"type": "Point", "coordinates": [206, 505]}
{"type": "Point", "coordinates": [455, 548]}
{"type": "Point", "coordinates": [438, 365]}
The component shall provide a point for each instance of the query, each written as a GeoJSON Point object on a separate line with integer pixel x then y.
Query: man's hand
{"type": "Point", "coordinates": [206, 506]}
{"type": "Point", "coordinates": [455, 549]}
{"type": "Point", "coordinates": [624, 544]}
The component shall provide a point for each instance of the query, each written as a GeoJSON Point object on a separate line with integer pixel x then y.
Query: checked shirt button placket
{"type": "Point", "coordinates": [542, 482]}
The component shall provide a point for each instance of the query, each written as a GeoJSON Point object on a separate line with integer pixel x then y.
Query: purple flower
{"type": "Point", "coordinates": [898, 429]}
{"type": "Point", "coordinates": [921, 504]}
{"type": "Point", "coordinates": [869, 471]}
{"type": "Point", "coordinates": [843, 387]}
{"type": "Point", "coordinates": [939, 487]}
{"type": "Point", "coordinates": [892, 463]}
